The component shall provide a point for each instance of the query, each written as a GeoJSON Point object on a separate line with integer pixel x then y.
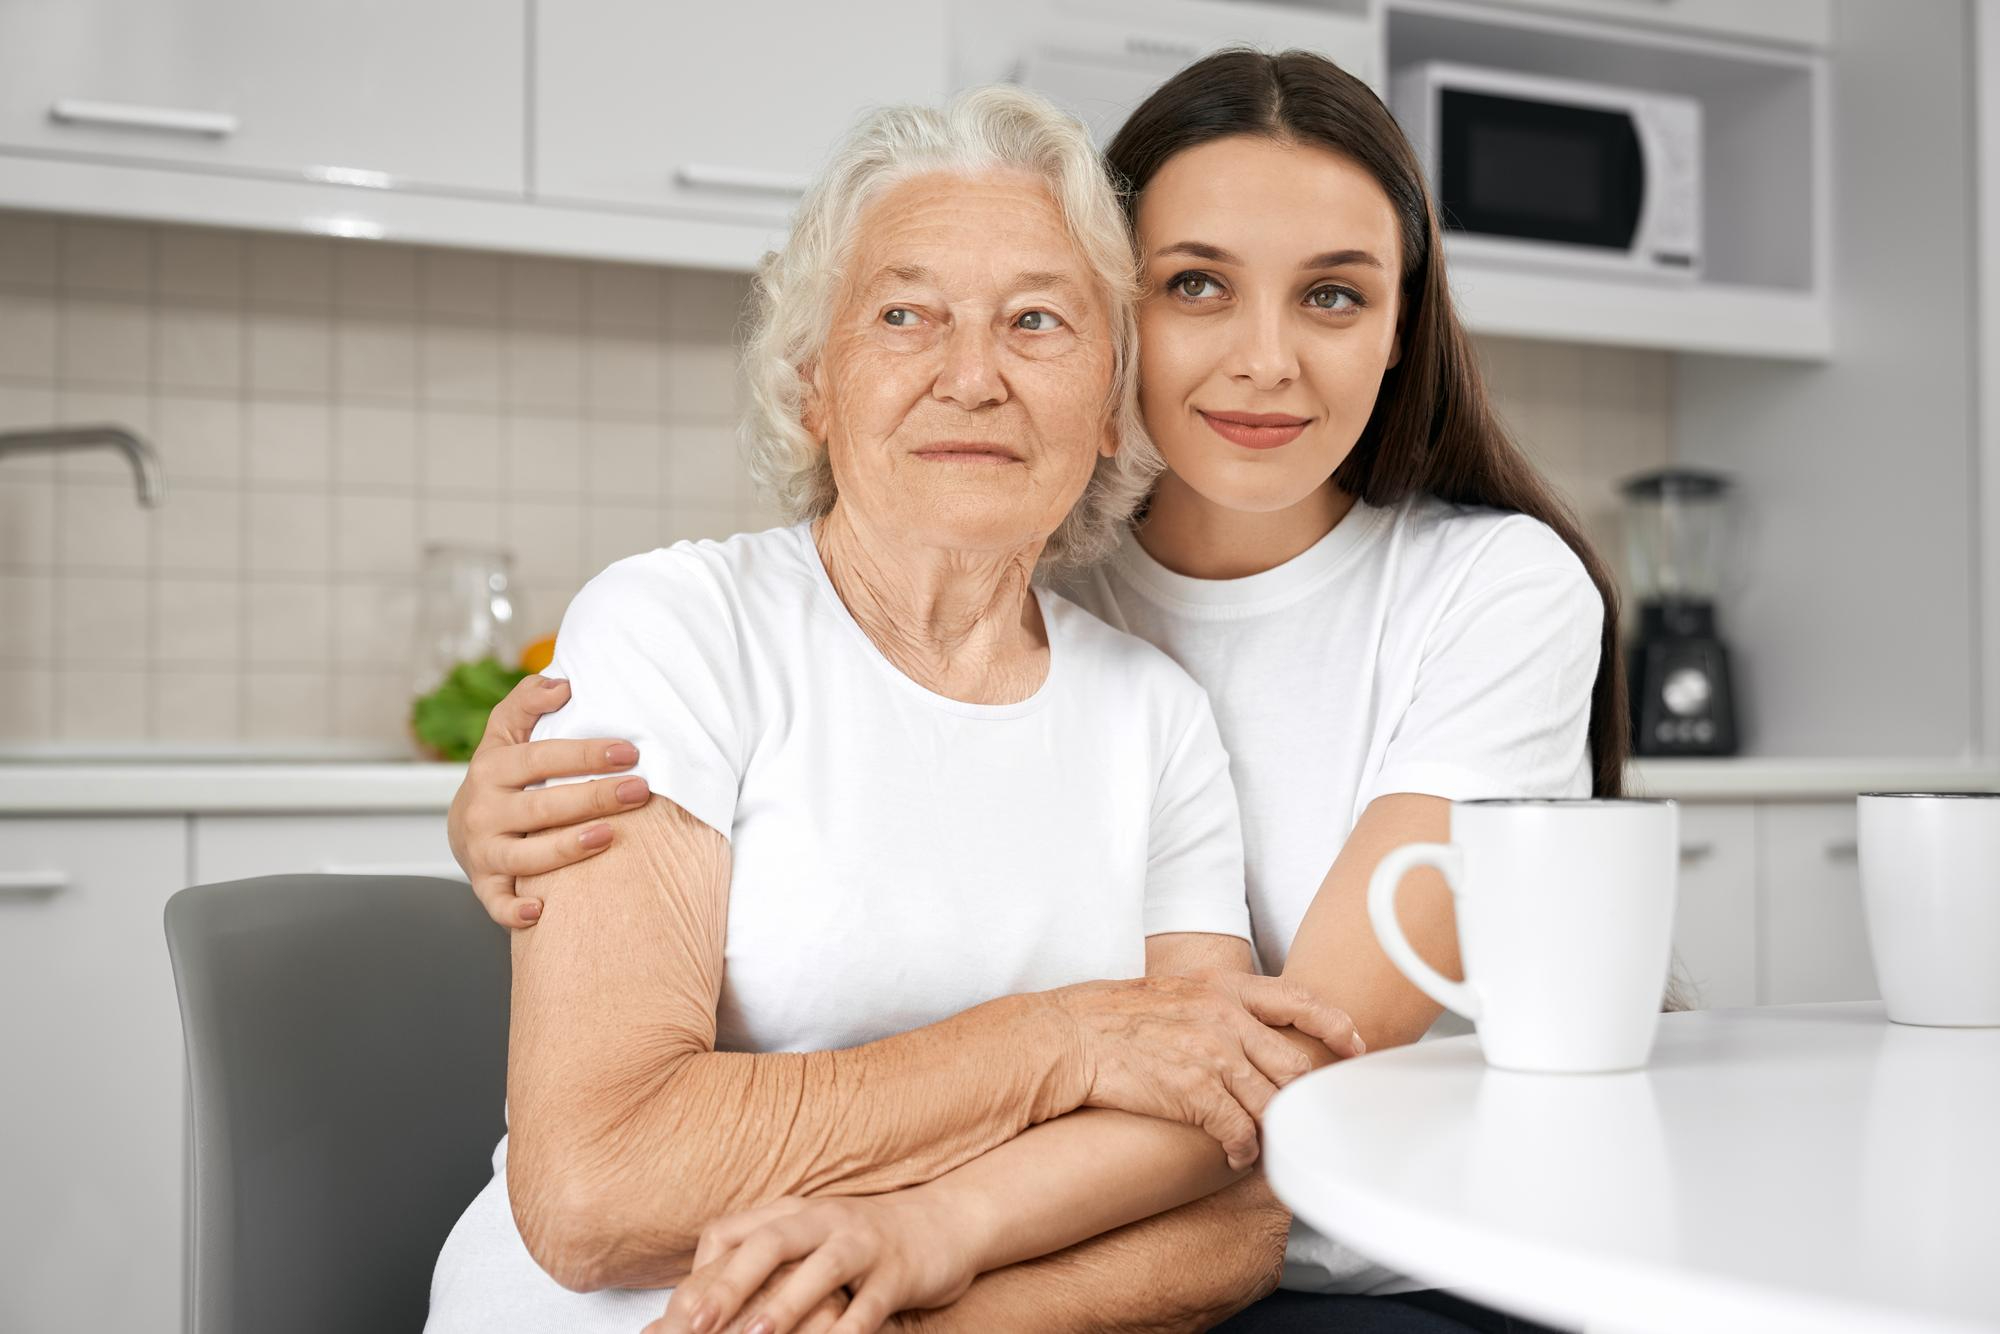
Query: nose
{"type": "Point", "coordinates": [970, 376]}
{"type": "Point", "coordinates": [1263, 355]}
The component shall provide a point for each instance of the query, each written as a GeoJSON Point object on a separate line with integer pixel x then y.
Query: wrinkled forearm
{"type": "Point", "coordinates": [1175, 1273]}
{"type": "Point", "coordinates": [686, 1136]}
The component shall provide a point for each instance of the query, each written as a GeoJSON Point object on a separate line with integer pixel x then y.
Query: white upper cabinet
{"type": "Point", "coordinates": [727, 112]}
{"type": "Point", "coordinates": [372, 92]}
{"type": "Point", "coordinates": [1792, 22]}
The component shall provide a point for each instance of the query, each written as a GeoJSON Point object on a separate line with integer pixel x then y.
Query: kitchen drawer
{"type": "Point", "coordinates": [1715, 920]}
{"type": "Point", "coordinates": [1813, 938]}
{"type": "Point", "coordinates": [423, 92]}
{"type": "Point", "coordinates": [637, 105]}
{"type": "Point", "coordinates": [235, 847]}
{"type": "Point", "coordinates": [92, 1116]}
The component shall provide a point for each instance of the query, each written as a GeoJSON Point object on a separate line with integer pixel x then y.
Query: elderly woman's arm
{"type": "Point", "coordinates": [1053, 1186]}
{"type": "Point", "coordinates": [630, 1133]}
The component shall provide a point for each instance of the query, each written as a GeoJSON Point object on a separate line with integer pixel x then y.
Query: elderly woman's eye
{"type": "Point", "coordinates": [1037, 321]}
{"type": "Point", "coordinates": [1193, 286]}
{"type": "Point", "coordinates": [1330, 298]}
{"type": "Point", "coordinates": [900, 317]}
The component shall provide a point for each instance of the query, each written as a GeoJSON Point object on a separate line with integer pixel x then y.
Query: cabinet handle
{"type": "Point", "coordinates": [173, 120]}
{"type": "Point", "coordinates": [1161, 48]}
{"type": "Point", "coordinates": [1696, 852]}
{"type": "Point", "coordinates": [1845, 850]}
{"type": "Point", "coordinates": [706, 176]}
{"type": "Point", "coordinates": [31, 884]}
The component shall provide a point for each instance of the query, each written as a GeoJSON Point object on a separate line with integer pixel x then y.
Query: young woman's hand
{"type": "Point", "coordinates": [499, 830]}
{"type": "Point", "coordinates": [891, 1252]}
{"type": "Point", "coordinates": [1201, 1048]}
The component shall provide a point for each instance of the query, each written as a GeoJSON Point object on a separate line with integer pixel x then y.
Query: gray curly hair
{"type": "Point", "coordinates": [797, 288]}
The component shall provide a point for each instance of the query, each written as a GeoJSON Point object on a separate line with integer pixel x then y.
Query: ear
{"type": "Point", "coordinates": [1402, 331]}
{"type": "Point", "coordinates": [1108, 446]}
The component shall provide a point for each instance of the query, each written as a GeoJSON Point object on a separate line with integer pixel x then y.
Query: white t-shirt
{"type": "Point", "coordinates": [1423, 647]}
{"type": "Point", "coordinates": [898, 856]}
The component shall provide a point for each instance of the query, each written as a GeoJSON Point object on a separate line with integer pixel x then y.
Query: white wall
{"type": "Point", "coordinates": [1855, 627]}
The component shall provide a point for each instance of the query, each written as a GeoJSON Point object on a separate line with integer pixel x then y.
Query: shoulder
{"type": "Point", "coordinates": [1122, 666]}
{"type": "Point", "coordinates": [695, 586]}
{"type": "Point", "coordinates": [691, 603]}
{"type": "Point", "coordinates": [1471, 551]}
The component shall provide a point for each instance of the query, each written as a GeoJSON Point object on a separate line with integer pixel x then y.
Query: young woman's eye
{"type": "Point", "coordinates": [899, 317]}
{"type": "Point", "coordinates": [1332, 298]}
{"type": "Point", "coordinates": [1037, 321]}
{"type": "Point", "coordinates": [1192, 286]}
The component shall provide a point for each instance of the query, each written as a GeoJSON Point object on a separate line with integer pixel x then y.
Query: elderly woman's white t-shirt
{"type": "Point", "coordinates": [898, 856]}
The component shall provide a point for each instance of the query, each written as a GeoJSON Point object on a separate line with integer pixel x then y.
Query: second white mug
{"type": "Point", "coordinates": [1565, 914]}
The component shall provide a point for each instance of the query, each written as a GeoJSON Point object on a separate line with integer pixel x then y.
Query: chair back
{"type": "Point", "coordinates": [346, 1073]}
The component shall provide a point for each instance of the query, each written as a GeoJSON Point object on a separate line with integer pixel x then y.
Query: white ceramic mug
{"type": "Point", "coordinates": [1565, 927]}
{"type": "Point", "coordinates": [1930, 879]}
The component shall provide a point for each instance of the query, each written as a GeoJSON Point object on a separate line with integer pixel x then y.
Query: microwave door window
{"type": "Point", "coordinates": [1539, 171]}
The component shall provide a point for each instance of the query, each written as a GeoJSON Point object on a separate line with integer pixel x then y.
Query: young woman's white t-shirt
{"type": "Point", "coordinates": [1423, 647]}
{"type": "Point", "coordinates": [897, 856]}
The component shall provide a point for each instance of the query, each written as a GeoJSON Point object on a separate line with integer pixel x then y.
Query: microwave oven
{"type": "Point", "coordinates": [1553, 172]}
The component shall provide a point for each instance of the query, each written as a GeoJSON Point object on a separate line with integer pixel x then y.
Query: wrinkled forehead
{"type": "Point", "coordinates": [968, 235]}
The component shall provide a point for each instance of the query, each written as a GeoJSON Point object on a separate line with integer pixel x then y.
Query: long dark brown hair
{"type": "Point", "coordinates": [1433, 428]}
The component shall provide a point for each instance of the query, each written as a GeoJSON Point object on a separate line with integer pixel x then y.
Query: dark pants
{"type": "Point", "coordinates": [1429, 1312]}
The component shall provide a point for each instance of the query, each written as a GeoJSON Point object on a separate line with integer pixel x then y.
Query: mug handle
{"type": "Point", "coordinates": [1449, 860]}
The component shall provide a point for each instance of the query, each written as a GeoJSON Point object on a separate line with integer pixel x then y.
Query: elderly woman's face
{"type": "Point", "coordinates": [964, 392]}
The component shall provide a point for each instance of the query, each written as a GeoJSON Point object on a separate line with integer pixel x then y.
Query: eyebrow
{"type": "Point", "coordinates": [1048, 280]}
{"type": "Point", "coordinates": [1331, 259]}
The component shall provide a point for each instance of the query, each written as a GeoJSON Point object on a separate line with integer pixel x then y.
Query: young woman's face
{"type": "Point", "coordinates": [1269, 315]}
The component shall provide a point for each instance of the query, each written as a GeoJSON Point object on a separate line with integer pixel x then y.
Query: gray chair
{"type": "Point", "coordinates": [346, 1056]}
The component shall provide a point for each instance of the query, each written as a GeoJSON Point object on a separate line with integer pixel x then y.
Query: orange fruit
{"type": "Point", "coordinates": [538, 654]}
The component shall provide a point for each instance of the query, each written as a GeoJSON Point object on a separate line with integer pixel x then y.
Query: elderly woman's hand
{"type": "Point", "coordinates": [780, 1266]}
{"type": "Point", "coordinates": [1201, 1048]}
{"type": "Point", "coordinates": [499, 830]}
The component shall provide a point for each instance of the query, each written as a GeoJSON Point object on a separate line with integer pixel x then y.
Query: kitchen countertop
{"type": "Point", "coordinates": [55, 784]}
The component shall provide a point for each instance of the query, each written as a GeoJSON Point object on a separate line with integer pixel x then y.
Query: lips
{"type": "Point", "coordinates": [967, 451]}
{"type": "Point", "coordinates": [1256, 430]}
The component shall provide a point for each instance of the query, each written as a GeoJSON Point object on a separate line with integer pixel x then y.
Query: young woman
{"type": "Point", "coordinates": [1388, 608]}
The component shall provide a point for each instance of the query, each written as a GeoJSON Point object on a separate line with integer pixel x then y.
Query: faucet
{"type": "Point", "coordinates": [145, 463]}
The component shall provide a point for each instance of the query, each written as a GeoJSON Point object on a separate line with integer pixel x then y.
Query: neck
{"type": "Point", "coordinates": [1194, 536]}
{"type": "Point", "coordinates": [964, 624]}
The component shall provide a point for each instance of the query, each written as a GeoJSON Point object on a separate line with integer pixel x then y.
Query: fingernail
{"type": "Point", "coordinates": [621, 753]}
{"type": "Point", "coordinates": [594, 837]}
{"type": "Point", "coordinates": [1360, 1047]}
{"type": "Point", "coordinates": [703, 1317]}
{"type": "Point", "coordinates": [631, 790]}
{"type": "Point", "coordinates": [530, 911]}
{"type": "Point", "coordinates": [761, 1325]}
{"type": "Point", "coordinates": [550, 682]}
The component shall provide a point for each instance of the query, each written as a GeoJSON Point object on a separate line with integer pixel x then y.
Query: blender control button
{"type": "Point", "coordinates": [1704, 731]}
{"type": "Point", "coordinates": [1663, 730]}
{"type": "Point", "coordinates": [1685, 691]}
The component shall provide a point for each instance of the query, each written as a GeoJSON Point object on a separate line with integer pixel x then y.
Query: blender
{"type": "Point", "coordinates": [1678, 668]}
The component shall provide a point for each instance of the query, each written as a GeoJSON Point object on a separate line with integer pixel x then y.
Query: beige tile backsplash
{"type": "Point", "coordinates": [325, 408]}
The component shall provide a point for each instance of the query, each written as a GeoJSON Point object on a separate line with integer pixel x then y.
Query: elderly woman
{"type": "Point", "coordinates": [893, 781]}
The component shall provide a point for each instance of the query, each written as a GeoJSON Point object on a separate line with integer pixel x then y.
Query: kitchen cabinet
{"type": "Point", "coordinates": [431, 93]}
{"type": "Point", "coordinates": [92, 1119]}
{"type": "Point", "coordinates": [629, 112]}
{"type": "Point", "coordinates": [235, 847]}
{"type": "Point", "coordinates": [1793, 22]}
{"type": "Point", "coordinates": [1715, 922]}
{"type": "Point", "coordinates": [1813, 937]}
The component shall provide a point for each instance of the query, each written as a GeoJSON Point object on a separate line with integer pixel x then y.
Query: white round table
{"type": "Point", "coordinates": [1809, 1167]}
